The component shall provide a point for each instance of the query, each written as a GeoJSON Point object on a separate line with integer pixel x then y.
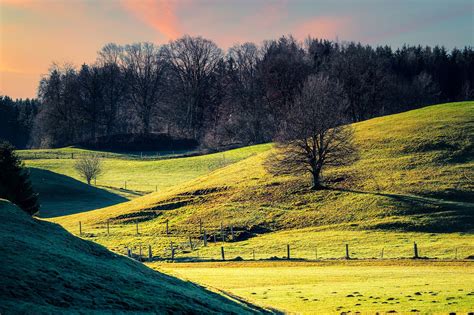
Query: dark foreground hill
{"type": "Point", "coordinates": [44, 269]}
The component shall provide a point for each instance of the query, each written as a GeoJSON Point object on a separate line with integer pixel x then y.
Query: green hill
{"type": "Point", "coordinates": [62, 191]}
{"type": "Point", "coordinates": [415, 175]}
{"type": "Point", "coordinates": [44, 269]}
{"type": "Point", "coordinates": [63, 195]}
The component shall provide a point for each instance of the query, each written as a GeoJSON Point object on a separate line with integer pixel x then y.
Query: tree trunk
{"type": "Point", "coordinates": [316, 179]}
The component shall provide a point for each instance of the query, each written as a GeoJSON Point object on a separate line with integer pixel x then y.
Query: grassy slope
{"type": "Point", "coordinates": [414, 173]}
{"type": "Point", "coordinates": [45, 269]}
{"type": "Point", "coordinates": [62, 195]}
{"type": "Point", "coordinates": [413, 176]}
{"type": "Point", "coordinates": [336, 287]}
{"type": "Point", "coordinates": [141, 175]}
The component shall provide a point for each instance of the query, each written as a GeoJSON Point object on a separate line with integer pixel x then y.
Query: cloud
{"type": "Point", "coordinates": [324, 27]}
{"type": "Point", "coordinates": [158, 14]}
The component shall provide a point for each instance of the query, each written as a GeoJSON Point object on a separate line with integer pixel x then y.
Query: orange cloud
{"type": "Point", "coordinates": [322, 27]}
{"type": "Point", "coordinates": [158, 14]}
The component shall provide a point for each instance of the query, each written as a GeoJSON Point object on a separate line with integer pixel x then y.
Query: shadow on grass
{"type": "Point", "coordinates": [62, 195]}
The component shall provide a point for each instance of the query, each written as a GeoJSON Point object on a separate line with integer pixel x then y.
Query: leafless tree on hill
{"type": "Point", "coordinates": [89, 167]}
{"type": "Point", "coordinates": [314, 134]}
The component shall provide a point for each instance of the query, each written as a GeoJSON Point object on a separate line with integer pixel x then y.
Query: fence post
{"type": "Point", "coordinates": [128, 251]}
{"type": "Point", "coordinates": [347, 252]}
{"type": "Point", "coordinates": [72, 156]}
{"type": "Point", "coordinates": [215, 240]}
{"type": "Point", "coordinates": [288, 251]}
{"type": "Point", "coordinates": [222, 252]}
{"type": "Point", "coordinates": [381, 254]}
{"type": "Point", "coordinates": [415, 250]}
{"type": "Point", "coordinates": [232, 233]}
{"type": "Point", "coordinates": [125, 184]}
{"type": "Point", "coordinates": [200, 227]}
{"type": "Point", "coordinates": [205, 239]}
{"type": "Point", "coordinates": [316, 253]}
{"type": "Point", "coordinates": [131, 253]}
{"type": "Point", "coordinates": [108, 228]}
{"type": "Point", "coordinates": [150, 254]}
{"type": "Point", "coordinates": [167, 227]}
{"type": "Point", "coordinates": [456, 253]}
{"type": "Point", "coordinates": [80, 228]}
{"type": "Point", "coordinates": [140, 254]}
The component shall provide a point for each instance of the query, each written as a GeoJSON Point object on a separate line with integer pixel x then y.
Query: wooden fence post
{"type": "Point", "coordinates": [222, 253]}
{"type": "Point", "coordinates": [140, 253]}
{"type": "Point", "coordinates": [128, 251]}
{"type": "Point", "coordinates": [288, 251]}
{"type": "Point", "coordinates": [150, 254]}
{"type": "Point", "coordinates": [347, 252]}
{"type": "Point", "coordinates": [215, 239]}
{"type": "Point", "coordinates": [131, 253]}
{"type": "Point", "coordinates": [205, 238]}
{"type": "Point", "coordinates": [191, 243]}
{"type": "Point", "coordinates": [381, 254]}
{"type": "Point", "coordinates": [108, 228]}
{"type": "Point", "coordinates": [72, 156]}
{"type": "Point", "coordinates": [125, 184]}
{"type": "Point", "coordinates": [167, 227]}
{"type": "Point", "coordinates": [456, 253]}
{"type": "Point", "coordinates": [200, 227]}
{"type": "Point", "coordinates": [415, 250]}
{"type": "Point", "coordinates": [80, 228]}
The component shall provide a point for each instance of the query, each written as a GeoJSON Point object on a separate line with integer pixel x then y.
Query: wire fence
{"type": "Point", "coordinates": [196, 242]}
{"type": "Point", "coordinates": [61, 155]}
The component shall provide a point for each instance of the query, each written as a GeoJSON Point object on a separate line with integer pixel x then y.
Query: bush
{"type": "Point", "coordinates": [15, 184]}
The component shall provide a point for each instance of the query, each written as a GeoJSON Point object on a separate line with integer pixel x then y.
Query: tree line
{"type": "Point", "coordinates": [191, 89]}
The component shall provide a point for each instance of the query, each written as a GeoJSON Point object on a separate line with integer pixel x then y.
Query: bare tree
{"type": "Point", "coordinates": [314, 135]}
{"type": "Point", "coordinates": [89, 167]}
{"type": "Point", "coordinates": [144, 75]}
{"type": "Point", "coordinates": [193, 62]}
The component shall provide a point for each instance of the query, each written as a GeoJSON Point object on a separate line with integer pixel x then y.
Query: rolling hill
{"type": "Point", "coordinates": [413, 182]}
{"type": "Point", "coordinates": [44, 269]}
{"type": "Point", "coordinates": [125, 176]}
{"type": "Point", "coordinates": [415, 173]}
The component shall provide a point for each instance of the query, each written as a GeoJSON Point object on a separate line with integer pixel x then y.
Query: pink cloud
{"type": "Point", "coordinates": [158, 14]}
{"type": "Point", "coordinates": [322, 27]}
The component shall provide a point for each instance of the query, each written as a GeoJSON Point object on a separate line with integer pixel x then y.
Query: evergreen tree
{"type": "Point", "coordinates": [15, 184]}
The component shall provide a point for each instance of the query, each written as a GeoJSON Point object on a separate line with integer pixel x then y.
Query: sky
{"type": "Point", "coordinates": [34, 34]}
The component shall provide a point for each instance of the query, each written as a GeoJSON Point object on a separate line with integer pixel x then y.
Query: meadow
{"type": "Point", "coordinates": [411, 184]}
{"type": "Point", "coordinates": [409, 287]}
{"type": "Point", "coordinates": [124, 176]}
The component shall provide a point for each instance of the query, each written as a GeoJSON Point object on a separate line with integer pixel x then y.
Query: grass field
{"type": "Point", "coordinates": [414, 175]}
{"type": "Point", "coordinates": [45, 270]}
{"type": "Point", "coordinates": [141, 176]}
{"type": "Point", "coordinates": [413, 183]}
{"type": "Point", "coordinates": [426, 287]}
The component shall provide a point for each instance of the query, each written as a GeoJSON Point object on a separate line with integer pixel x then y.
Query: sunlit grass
{"type": "Point", "coordinates": [336, 287]}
